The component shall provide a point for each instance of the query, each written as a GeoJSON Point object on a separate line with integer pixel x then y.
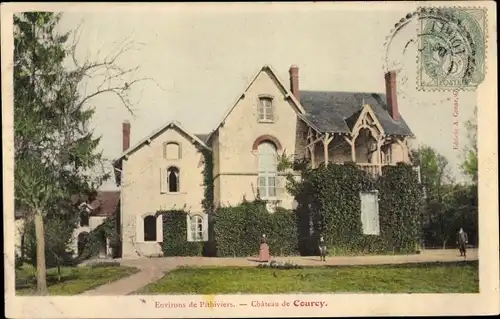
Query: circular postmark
{"type": "Point", "coordinates": [440, 48]}
{"type": "Point", "coordinates": [451, 48]}
{"type": "Point", "coordinates": [400, 55]}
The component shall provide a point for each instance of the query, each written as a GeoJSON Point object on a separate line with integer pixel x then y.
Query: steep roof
{"type": "Point", "coordinates": [335, 112]}
{"type": "Point", "coordinates": [274, 74]}
{"type": "Point", "coordinates": [195, 137]}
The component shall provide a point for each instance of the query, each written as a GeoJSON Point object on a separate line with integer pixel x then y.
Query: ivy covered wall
{"type": "Point", "coordinates": [175, 235]}
{"type": "Point", "coordinates": [329, 205]}
{"type": "Point", "coordinates": [238, 230]}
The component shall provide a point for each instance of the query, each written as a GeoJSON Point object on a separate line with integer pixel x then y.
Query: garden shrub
{"type": "Point", "coordinates": [330, 204]}
{"type": "Point", "coordinates": [238, 230]}
{"type": "Point", "coordinates": [175, 235]}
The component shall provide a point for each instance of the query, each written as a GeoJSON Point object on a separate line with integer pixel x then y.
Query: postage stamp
{"type": "Point", "coordinates": [249, 159]}
{"type": "Point", "coordinates": [452, 44]}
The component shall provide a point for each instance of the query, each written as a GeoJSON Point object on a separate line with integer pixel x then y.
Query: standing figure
{"type": "Point", "coordinates": [462, 241]}
{"type": "Point", "coordinates": [322, 249]}
{"type": "Point", "coordinates": [264, 249]}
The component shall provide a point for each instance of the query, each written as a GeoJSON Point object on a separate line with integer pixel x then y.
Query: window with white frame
{"type": "Point", "coordinates": [266, 109]}
{"type": "Point", "coordinates": [268, 167]}
{"type": "Point", "coordinates": [172, 151]}
{"type": "Point", "coordinates": [197, 228]}
{"type": "Point", "coordinates": [369, 213]}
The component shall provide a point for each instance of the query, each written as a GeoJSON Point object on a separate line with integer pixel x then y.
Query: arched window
{"type": "Point", "coordinates": [150, 228]}
{"type": "Point", "coordinates": [172, 151]}
{"type": "Point", "coordinates": [268, 167]}
{"type": "Point", "coordinates": [173, 179]}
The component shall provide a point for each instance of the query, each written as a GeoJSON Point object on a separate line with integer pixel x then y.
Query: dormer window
{"type": "Point", "coordinates": [266, 109]}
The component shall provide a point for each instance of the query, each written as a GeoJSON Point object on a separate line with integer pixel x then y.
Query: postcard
{"type": "Point", "coordinates": [222, 160]}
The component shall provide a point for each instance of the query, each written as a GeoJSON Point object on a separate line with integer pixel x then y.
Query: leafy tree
{"type": "Point", "coordinates": [434, 170]}
{"type": "Point", "coordinates": [55, 151]}
{"type": "Point", "coordinates": [436, 180]}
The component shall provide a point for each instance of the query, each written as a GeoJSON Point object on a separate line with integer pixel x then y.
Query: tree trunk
{"type": "Point", "coordinates": [41, 271]}
{"type": "Point", "coordinates": [444, 244]}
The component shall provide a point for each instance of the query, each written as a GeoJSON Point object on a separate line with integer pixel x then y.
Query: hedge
{"type": "Point", "coordinates": [329, 203]}
{"type": "Point", "coordinates": [175, 235]}
{"type": "Point", "coordinates": [238, 230]}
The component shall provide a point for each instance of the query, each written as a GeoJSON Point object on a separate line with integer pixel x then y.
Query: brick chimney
{"type": "Point", "coordinates": [391, 94]}
{"type": "Point", "coordinates": [294, 81]}
{"type": "Point", "coordinates": [126, 135]}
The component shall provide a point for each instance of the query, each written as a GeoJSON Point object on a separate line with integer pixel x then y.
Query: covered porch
{"type": "Point", "coordinates": [367, 145]}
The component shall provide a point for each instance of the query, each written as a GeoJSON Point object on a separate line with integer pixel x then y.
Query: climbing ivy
{"type": "Point", "coordinates": [175, 235]}
{"type": "Point", "coordinates": [329, 205]}
{"type": "Point", "coordinates": [207, 203]}
{"type": "Point", "coordinates": [208, 181]}
{"type": "Point", "coordinates": [238, 230]}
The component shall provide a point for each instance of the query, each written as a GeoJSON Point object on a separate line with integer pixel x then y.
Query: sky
{"type": "Point", "coordinates": [201, 58]}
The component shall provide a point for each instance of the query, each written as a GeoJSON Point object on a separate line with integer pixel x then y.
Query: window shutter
{"type": "Point", "coordinates": [188, 226]}
{"type": "Point", "coordinates": [369, 213]}
{"type": "Point", "coordinates": [163, 181]}
{"type": "Point", "coordinates": [159, 228]}
{"type": "Point", "coordinates": [139, 229]}
{"type": "Point", "coordinates": [205, 227]}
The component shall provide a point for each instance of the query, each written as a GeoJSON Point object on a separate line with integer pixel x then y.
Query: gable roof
{"type": "Point", "coordinates": [288, 93]}
{"type": "Point", "coordinates": [335, 112]}
{"type": "Point", "coordinates": [195, 137]}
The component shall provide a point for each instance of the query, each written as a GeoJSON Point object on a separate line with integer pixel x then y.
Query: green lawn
{"type": "Point", "coordinates": [454, 277]}
{"type": "Point", "coordinates": [74, 280]}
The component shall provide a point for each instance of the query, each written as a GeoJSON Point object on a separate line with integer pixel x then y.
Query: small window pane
{"type": "Point", "coordinates": [266, 109]}
{"type": "Point", "coordinates": [272, 191]}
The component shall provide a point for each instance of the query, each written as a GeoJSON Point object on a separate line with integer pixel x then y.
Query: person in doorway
{"type": "Point", "coordinates": [462, 241]}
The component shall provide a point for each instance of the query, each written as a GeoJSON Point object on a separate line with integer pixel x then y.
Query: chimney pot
{"type": "Point", "coordinates": [391, 94]}
{"type": "Point", "coordinates": [126, 135]}
{"type": "Point", "coordinates": [294, 81]}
